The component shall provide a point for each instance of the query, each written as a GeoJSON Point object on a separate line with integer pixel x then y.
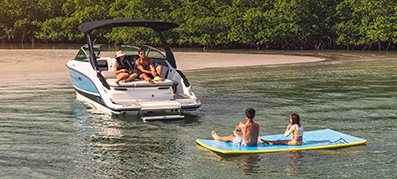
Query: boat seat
{"type": "Point", "coordinates": [110, 77]}
{"type": "Point", "coordinates": [102, 65]}
{"type": "Point", "coordinates": [140, 83]}
{"type": "Point", "coordinates": [108, 74]}
{"type": "Point", "coordinates": [132, 59]}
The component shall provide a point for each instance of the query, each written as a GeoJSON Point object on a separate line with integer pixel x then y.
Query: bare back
{"type": "Point", "coordinates": [250, 132]}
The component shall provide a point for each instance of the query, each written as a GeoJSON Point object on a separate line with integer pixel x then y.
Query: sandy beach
{"type": "Point", "coordinates": [43, 64]}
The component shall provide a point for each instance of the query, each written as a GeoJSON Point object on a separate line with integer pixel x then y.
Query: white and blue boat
{"type": "Point", "coordinates": [93, 77]}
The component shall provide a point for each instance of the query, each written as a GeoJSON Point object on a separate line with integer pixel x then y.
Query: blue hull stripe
{"type": "Point", "coordinates": [84, 86]}
{"type": "Point", "coordinates": [82, 82]}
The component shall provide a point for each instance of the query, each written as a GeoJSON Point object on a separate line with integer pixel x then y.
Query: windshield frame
{"type": "Point", "coordinates": [84, 52]}
{"type": "Point", "coordinates": [150, 51]}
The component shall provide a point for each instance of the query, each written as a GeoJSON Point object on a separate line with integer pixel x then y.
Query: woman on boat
{"type": "Point", "coordinates": [295, 129]}
{"type": "Point", "coordinates": [123, 69]}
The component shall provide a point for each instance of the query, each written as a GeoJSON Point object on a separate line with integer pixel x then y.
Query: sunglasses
{"type": "Point", "coordinates": [141, 53]}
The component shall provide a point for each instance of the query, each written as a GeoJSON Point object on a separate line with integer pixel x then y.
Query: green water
{"type": "Point", "coordinates": [46, 133]}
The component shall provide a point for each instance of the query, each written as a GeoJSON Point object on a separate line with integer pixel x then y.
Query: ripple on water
{"type": "Point", "coordinates": [46, 133]}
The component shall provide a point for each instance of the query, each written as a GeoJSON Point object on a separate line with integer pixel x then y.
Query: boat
{"type": "Point", "coordinates": [93, 77]}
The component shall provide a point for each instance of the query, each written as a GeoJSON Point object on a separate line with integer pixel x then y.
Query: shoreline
{"type": "Point", "coordinates": [50, 63]}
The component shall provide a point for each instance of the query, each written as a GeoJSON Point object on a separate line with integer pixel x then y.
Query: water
{"type": "Point", "coordinates": [46, 133]}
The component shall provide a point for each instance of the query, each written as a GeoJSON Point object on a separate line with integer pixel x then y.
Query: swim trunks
{"type": "Point", "coordinates": [149, 75]}
{"type": "Point", "coordinates": [239, 141]}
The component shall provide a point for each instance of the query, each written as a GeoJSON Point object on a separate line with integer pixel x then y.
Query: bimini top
{"type": "Point", "coordinates": [155, 25]}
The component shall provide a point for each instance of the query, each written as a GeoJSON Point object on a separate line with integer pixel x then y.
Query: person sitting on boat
{"type": "Point", "coordinates": [146, 69]}
{"type": "Point", "coordinates": [250, 131]}
{"type": "Point", "coordinates": [123, 69]}
{"type": "Point", "coordinates": [295, 129]}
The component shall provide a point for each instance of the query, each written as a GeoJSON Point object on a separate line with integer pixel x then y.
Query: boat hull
{"type": "Point", "coordinates": [89, 88]}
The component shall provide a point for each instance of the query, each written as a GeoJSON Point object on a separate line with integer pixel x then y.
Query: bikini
{"type": "Point", "coordinates": [295, 130]}
{"type": "Point", "coordinates": [123, 66]}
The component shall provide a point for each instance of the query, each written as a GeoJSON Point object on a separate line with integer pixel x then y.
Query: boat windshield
{"type": "Point", "coordinates": [150, 52]}
{"type": "Point", "coordinates": [84, 52]}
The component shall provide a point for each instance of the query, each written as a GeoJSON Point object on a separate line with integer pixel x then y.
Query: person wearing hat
{"type": "Point", "coordinates": [123, 69]}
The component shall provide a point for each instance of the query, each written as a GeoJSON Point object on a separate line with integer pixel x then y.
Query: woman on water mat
{"type": "Point", "coordinates": [295, 129]}
{"type": "Point", "coordinates": [250, 131]}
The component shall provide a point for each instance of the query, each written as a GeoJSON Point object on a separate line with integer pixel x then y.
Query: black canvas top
{"type": "Point", "coordinates": [156, 25]}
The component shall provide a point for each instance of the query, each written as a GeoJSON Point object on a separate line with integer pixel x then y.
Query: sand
{"type": "Point", "coordinates": [48, 64]}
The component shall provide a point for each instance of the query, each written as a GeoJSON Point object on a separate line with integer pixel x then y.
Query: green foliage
{"type": "Point", "coordinates": [22, 19]}
{"type": "Point", "coordinates": [366, 22]}
{"type": "Point", "coordinates": [277, 24]}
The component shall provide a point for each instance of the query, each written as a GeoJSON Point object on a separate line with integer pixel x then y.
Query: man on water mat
{"type": "Point", "coordinates": [250, 131]}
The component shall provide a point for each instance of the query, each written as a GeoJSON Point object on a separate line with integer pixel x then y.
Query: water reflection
{"type": "Point", "coordinates": [249, 163]}
{"type": "Point", "coordinates": [286, 163]}
{"type": "Point", "coordinates": [125, 146]}
{"type": "Point", "coordinates": [294, 160]}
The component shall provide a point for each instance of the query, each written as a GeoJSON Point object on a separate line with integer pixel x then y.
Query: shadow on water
{"type": "Point", "coordinates": [255, 164]}
{"type": "Point", "coordinates": [278, 164]}
{"type": "Point", "coordinates": [189, 118]}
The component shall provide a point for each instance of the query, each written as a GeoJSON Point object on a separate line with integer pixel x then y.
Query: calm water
{"type": "Point", "coordinates": [46, 133]}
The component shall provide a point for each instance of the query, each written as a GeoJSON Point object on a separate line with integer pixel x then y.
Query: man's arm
{"type": "Point", "coordinates": [240, 127]}
{"type": "Point", "coordinates": [140, 68]}
{"type": "Point", "coordinates": [151, 66]}
{"type": "Point", "coordinates": [153, 70]}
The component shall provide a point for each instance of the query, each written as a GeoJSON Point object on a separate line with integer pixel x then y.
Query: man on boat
{"type": "Point", "coordinates": [146, 69]}
{"type": "Point", "coordinates": [250, 131]}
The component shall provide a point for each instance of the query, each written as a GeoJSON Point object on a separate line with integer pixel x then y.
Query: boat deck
{"type": "Point", "coordinates": [177, 98]}
{"type": "Point", "coordinates": [111, 78]}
